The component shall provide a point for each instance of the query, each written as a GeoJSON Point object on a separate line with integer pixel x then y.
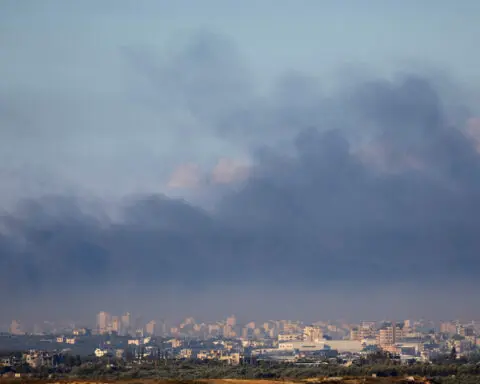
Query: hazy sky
{"type": "Point", "coordinates": [71, 91]}
{"type": "Point", "coordinates": [320, 146]}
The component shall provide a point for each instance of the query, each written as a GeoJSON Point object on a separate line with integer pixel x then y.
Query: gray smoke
{"type": "Point", "coordinates": [374, 184]}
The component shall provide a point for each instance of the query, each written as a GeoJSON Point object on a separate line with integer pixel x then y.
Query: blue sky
{"type": "Point", "coordinates": [77, 42]}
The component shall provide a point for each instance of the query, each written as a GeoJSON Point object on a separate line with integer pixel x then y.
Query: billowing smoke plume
{"type": "Point", "coordinates": [374, 185]}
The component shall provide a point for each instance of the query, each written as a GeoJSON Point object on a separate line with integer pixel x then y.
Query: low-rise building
{"type": "Point", "coordinates": [101, 352]}
{"type": "Point", "coordinates": [175, 343]}
{"type": "Point", "coordinates": [282, 337]}
{"type": "Point", "coordinates": [36, 359]}
{"type": "Point", "coordinates": [301, 346]}
{"type": "Point", "coordinates": [231, 358]}
{"type": "Point", "coordinates": [81, 332]}
{"type": "Point", "coordinates": [352, 346]}
{"type": "Point", "coordinates": [185, 353]}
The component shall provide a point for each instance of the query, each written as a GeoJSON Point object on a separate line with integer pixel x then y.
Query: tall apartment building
{"type": "Point", "coordinates": [116, 324]}
{"type": "Point", "coordinates": [103, 322]}
{"type": "Point", "coordinates": [138, 324]}
{"type": "Point", "coordinates": [354, 334]}
{"type": "Point", "coordinates": [150, 328]}
{"type": "Point", "coordinates": [366, 330]}
{"type": "Point", "coordinates": [466, 331]}
{"type": "Point", "coordinates": [273, 333]}
{"type": "Point", "coordinates": [126, 323]}
{"type": "Point", "coordinates": [312, 334]}
{"type": "Point", "coordinates": [388, 336]}
{"type": "Point", "coordinates": [232, 321]}
{"type": "Point", "coordinates": [250, 325]}
{"type": "Point", "coordinates": [448, 327]}
{"type": "Point", "coordinates": [213, 329]}
{"type": "Point", "coordinates": [163, 328]}
{"type": "Point", "coordinates": [228, 331]}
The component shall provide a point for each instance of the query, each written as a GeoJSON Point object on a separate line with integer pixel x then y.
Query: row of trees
{"type": "Point", "coordinates": [380, 364]}
{"type": "Point", "coordinates": [188, 370]}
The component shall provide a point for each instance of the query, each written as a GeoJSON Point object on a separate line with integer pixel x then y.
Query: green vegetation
{"type": "Point", "coordinates": [443, 371]}
{"type": "Point", "coordinates": [194, 370]}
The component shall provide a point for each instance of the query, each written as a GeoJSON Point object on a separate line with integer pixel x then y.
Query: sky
{"type": "Point", "coordinates": [273, 158]}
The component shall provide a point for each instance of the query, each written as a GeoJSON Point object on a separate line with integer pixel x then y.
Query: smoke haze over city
{"type": "Point", "coordinates": [271, 159]}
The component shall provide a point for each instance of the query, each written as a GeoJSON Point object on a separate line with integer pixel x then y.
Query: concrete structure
{"type": "Point", "coordinates": [364, 331]}
{"type": "Point", "coordinates": [150, 328]}
{"type": "Point", "coordinates": [232, 321]}
{"type": "Point", "coordinates": [301, 346]}
{"type": "Point", "coordinates": [352, 346]}
{"type": "Point", "coordinates": [466, 331]}
{"type": "Point", "coordinates": [312, 334]}
{"type": "Point", "coordinates": [37, 359]}
{"type": "Point", "coordinates": [387, 336]}
{"type": "Point", "coordinates": [448, 327]}
{"type": "Point", "coordinates": [126, 323]}
{"type": "Point", "coordinates": [103, 322]}
{"type": "Point", "coordinates": [289, 337]}
{"type": "Point", "coordinates": [81, 332]}
{"type": "Point", "coordinates": [116, 324]}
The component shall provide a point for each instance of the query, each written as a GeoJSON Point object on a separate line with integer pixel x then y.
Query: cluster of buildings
{"type": "Point", "coordinates": [33, 358]}
{"type": "Point", "coordinates": [279, 340]}
{"type": "Point", "coordinates": [123, 325]}
{"type": "Point", "coordinates": [295, 341]}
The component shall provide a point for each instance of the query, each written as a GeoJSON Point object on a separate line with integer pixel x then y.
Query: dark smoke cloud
{"type": "Point", "coordinates": [321, 209]}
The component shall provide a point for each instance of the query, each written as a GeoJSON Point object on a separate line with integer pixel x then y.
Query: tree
{"type": "Point", "coordinates": [453, 353]}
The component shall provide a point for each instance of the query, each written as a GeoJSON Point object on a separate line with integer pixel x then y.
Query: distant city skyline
{"type": "Point", "coordinates": [105, 322]}
{"type": "Point", "coordinates": [390, 348]}
{"type": "Point", "coordinates": [117, 336]}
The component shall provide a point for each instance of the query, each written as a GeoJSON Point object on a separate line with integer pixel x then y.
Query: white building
{"type": "Point", "coordinates": [302, 346]}
{"type": "Point", "coordinates": [352, 346]}
{"type": "Point", "coordinates": [101, 352]}
{"type": "Point", "coordinates": [339, 345]}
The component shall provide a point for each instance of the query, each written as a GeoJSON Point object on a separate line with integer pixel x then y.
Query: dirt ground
{"type": "Point", "coordinates": [329, 380]}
